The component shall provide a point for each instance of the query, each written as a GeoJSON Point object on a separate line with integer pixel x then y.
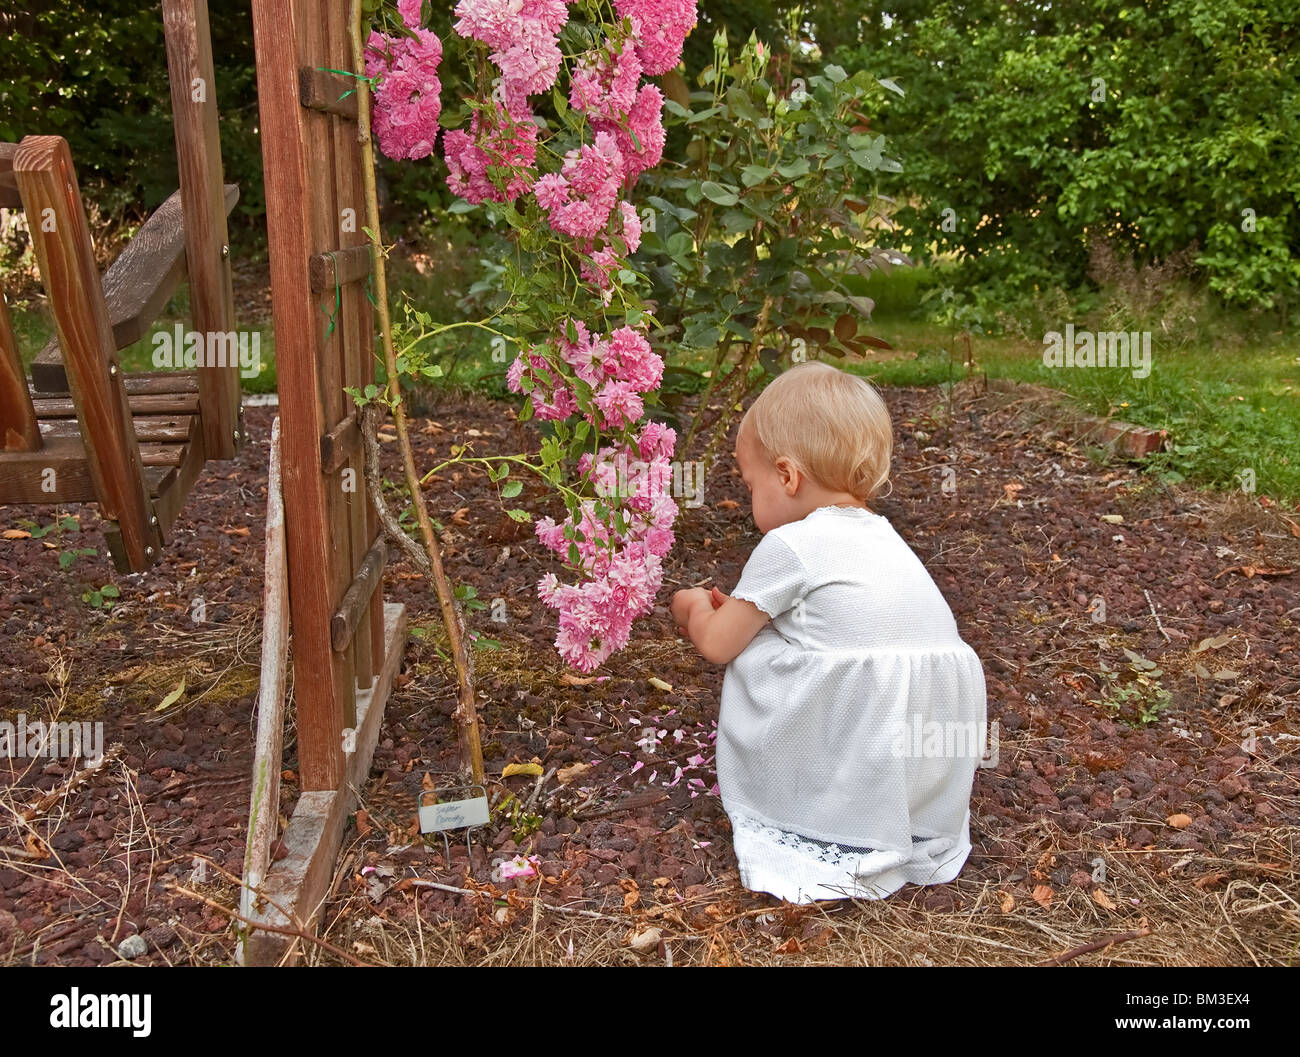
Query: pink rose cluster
{"type": "Point", "coordinates": [498, 146]}
{"type": "Point", "coordinates": [524, 38]}
{"type": "Point", "coordinates": [659, 28]}
{"type": "Point", "coordinates": [618, 368]}
{"type": "Point", "coordinates": [407, 99]}
{"type": "Point", "coordinates": [623, 574]}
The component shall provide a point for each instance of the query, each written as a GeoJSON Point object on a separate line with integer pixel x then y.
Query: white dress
{"type": "Point", "coordinates": [852, 724]}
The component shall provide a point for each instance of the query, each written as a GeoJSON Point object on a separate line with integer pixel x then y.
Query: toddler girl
{"type": "Point", "coordinates": [853, 714]}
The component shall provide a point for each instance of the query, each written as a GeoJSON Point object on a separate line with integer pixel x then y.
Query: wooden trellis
{"type": "Point", "coordinates": [347, 644]}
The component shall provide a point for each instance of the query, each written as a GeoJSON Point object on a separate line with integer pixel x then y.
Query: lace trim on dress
{"type": "Point", "coordinates": [842, 855]}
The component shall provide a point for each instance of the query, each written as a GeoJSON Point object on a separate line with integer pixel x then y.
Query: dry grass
{"type": "Point", "coordinates": [1201, 911]}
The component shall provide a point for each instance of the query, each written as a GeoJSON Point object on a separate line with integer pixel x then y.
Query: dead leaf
{"type": "Point", "coordinates": [790, 946]}
{"type": "Point", "coordinates": [565, 775]}
{"type": "Point", "coordinates": [1218, 642]}
{"type": "Point", "coordinates": [288, 776]}
{"type": "Point", "coordinates": [818, 939]}
{"type": "Point", "coordinates": [1102, 899]}
{"type": "Point", "coordinates": [1043, 895]}
{"type": "Point", "coordinates": [1008, 902]}
{"type": "Point", "coordinates": [36, 847]}
{"type": "Point", "coordinates": [512, 769]}
{"type": "Point", "coordinates": [1113, 519]}
{"type": "Point", "coordinates": [645, 940]}
{"type": "Point", "coordinates": [363, 823]}
{"type": "Point", "coordinates": [659, 684]}
{"type": "Point", "coordinates": [1249, 571]}
{"type": "Point", "coordinates": [242, 530]}
{"type": "Point", "coordinates": [427, 782]}
{"type": "Point", "coordinates": [1210, 880]}
{"type": "Point", "coordinates": [461, 517]}
{"type": "Point", "coordinates": [1295, 529]}
{"type": "Point", "coordinates": [726, 504]}
{"type": "Point", "coordinates": [1179, 821]}
{"type": "Point", "coordinates": [569, 679]}
{"type": "Point", "coordinates": [17, 534]}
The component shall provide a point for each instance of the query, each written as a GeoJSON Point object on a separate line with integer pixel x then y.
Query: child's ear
{"type": "Point", "coordinates": [789, 475]}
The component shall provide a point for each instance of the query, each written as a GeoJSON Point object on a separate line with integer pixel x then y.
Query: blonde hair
{"type": "Point", "coordinates": [833, 425]}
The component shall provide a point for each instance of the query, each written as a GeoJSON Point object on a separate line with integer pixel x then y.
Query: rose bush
{"type": "Point", "coordinates": [559, 167]}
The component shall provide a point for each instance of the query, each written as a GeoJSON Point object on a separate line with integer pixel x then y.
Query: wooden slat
{"type": "Point", "coordinates": [18, 429]}
{"type": "Point", "coordinates": [264, 799]}
{"type": "Point", "coordinates": [150, 404]}
{"type": "Point", "coordinates": [58, 473]}
{"type": "Point", "coordinates": [339, 267]}
{"type": "Point", "coordinates": [296, 886]}
{"type": "Point", "coordinates": [48, 184]}
{"type": "Point", "coordinates": [339, 445]}
{"type": "Point", "coordinates": [207, 250]}
{"type": "Point", "coordinates": [137, 286]}
{"type": "Point", "coordinates": [356, 603]}
{"type": "Point", "coordinates": [24, 475]}
{"type": "Point", "coordinates": [172, 489]}
{"type": "Point", "coordinates": [322, 682]}
{"type": "Point", "coordinates": [328, 92]}
{"type": "Point", "coordinates": [168, 429]}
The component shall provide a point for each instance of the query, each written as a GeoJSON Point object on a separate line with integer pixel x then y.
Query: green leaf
{"type": "Point", "coordinates": [704, 115]}
{"type": "Point", "coordinates": [751, 175]}
{"type": "Point", "coordinates": [512, 489]}
{"type": "Point", "coordinates": [886, 82]}
{"type": "Point", "coordinates": [520, 515]}
{"type": "Point", "coordinates": [719, 193]}
{"type": "Point", "coordinates": [171, 698]}
{"type": "Point", "coordinates": [739, 101]}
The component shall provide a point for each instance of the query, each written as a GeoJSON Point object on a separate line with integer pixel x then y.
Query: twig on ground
{"type": "Point", "coordinates": [1097, 945]}
{"type": "Point", "coordinates": [627, 804]}
{"type": "Point", "coordinates": [1159, 627]}
{"type": "Point", "coordinates": [338, 952]}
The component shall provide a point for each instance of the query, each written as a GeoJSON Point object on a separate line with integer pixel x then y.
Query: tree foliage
{"type": "Point", "coordinates": [1045, 127]}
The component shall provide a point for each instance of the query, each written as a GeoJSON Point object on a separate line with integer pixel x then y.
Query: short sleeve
{"type": "Point", "coordinates": [773, 578]}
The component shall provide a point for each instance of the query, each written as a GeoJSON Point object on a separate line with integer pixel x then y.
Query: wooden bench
{"type": "Point", "coordinates": [137, 285]}
{"type": "Point", "coordinates": [85, 431]}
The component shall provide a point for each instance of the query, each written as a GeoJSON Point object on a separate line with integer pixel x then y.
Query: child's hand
{"type": "Point", "coordinates": [718, 598]}
{"type": "Point", "coordinates": [684, 604]}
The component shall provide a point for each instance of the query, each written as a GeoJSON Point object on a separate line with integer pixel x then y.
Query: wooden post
{"type": "Point", "coordinates": [207, 247]}
{"type": "Point", "coordinates": [19, 430]}
{"type": "Point", "coordinates": [319, 560]}
{"type": "Point", "coordinates": [61, 238]}
{"type": "Point", "coordinates": [357, 333]}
